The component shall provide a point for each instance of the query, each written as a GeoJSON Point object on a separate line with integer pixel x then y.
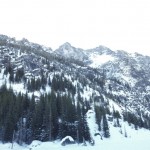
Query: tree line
{"type": "Point", "coordinates": [52, 117]}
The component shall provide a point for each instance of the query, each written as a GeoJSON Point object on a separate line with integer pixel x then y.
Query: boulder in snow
{"type": "Point", "coordinates": [67, 140]}
{"type": "Point", "coordinates": [35, 143]}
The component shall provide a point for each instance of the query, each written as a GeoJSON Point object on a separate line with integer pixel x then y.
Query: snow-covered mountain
{"type": "Point", "coordinates": [130, 72]}
{"type": "Point", "coordinates": [102, 89]}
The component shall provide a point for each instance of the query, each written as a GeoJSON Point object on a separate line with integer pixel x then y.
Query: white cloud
{"type": "Point", "coordinates": [118, 24]}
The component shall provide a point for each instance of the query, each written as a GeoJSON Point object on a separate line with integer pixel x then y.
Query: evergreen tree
{"type": "Point", "coordinates": [98, 117]}
{"type": "Point", "coordinates": [105, 127]}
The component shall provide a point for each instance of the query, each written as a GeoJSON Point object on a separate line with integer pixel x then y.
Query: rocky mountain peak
{"type": "Point", "coordinates": [68, 51]}
{"type": "Point", "coordinates": [66, 46]}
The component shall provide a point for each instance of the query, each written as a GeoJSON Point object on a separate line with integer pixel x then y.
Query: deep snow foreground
{"type": "Point", "coordinates": [136, 140]}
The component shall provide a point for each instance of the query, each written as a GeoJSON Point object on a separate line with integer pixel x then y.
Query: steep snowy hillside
{"type": "Point", "coordinates": [95, 96]}
{"type": "Point", "coordinates": [126, 75]}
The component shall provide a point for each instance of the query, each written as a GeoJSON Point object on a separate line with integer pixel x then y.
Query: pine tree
{"type": "Point", "coordinates": [105, 127]}
{"type": "Point", "coordinates": [98, 117]}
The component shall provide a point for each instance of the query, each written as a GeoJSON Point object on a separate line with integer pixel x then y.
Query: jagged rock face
{"type": "Point", "coordinates": [68, 51]}
{"type": "Point", "coordinates": [126, 76]}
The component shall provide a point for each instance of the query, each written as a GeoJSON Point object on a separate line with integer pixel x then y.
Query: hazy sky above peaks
{"type": "Point", "coordinates": [117, 24]}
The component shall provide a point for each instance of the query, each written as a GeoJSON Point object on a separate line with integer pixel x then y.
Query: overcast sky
{"type": "Point", "coordinates": [117, 24]}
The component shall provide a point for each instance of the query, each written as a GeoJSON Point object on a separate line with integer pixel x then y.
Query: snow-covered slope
{"type": "Point", "coordinates": [138, 140]}
{"type": "Point", "coordinates": [98, 60]}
